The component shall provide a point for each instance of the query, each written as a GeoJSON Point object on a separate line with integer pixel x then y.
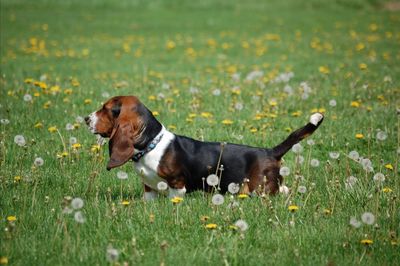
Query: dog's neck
{"type": "Point", "coordinates": [151, 128]}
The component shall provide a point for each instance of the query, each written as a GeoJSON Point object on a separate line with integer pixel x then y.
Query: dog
{"type": "Point", "coordinates": [182, 162]}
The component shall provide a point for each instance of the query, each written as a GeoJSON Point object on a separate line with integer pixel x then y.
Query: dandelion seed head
{"type": "Point", "coordinates": [162, 186]}
{"type": "Point", "coordinates": [79, 217]}
{"type": "Point", "coordinates": [216, 92]}
{"type": "Point", "coordinates": [112, 254]}
{"type": "Point", "coordinates": [242, 225]}
{"type": "Point", "coordinates": [217, 199]}
{"type": "Point", "coordinates": [4, 121]}
{"type": "Point", "coordinates": [302, 189]}
{"type": "Point", "coordinates": [368, 218]}
{"type": "Point", "coordinates": [69, 127]}
{"type": "Point", "coordinates": [73, 140]}
{"type": "Point", "coordinates": [379, 177]}
{"type": "Point", "coordinates": [19, 140]}
{"type": "Point", "coordinates": [334, 155]}
{"type": "Point", "coordinates": [284, 171]}
{"type": "Point", "coordinates": [212, 180]}
{"type": "Point", "coordinates": [122, 175]}
{"type": "Point", "coordinates": [105, 94]}
{"type": "Point", "coordinates": [381, 135]}
{"type": "Point", "coordinates": [239, 106]}
{"type": "Point", "coordinates": [314, 162]}
{"type": "Point", "coordinates": [354, 222]}
{"type": "Point", "coordinates": [79, 119]}
{"type": "Point", "coordinates": [38, 161]}
{"type": "Point", "coordinates": [354, 155]}
{"type": "Point", "coordinates": [350, 182]}
{"type": "Point", "coordinates": [297, 148]}
{"type": "Point", "coordinates": [310, 142]}
{"type": "Point", "coordinates": [233, 188]}
{"type": "Point", "coordinates": [299, 159]}
{"type": "Point", "coordinates": [332, 103]}
{"type": "Point", "coordinates": [27, 98]}
{"type": "Point", "coordinates": [77, 203]}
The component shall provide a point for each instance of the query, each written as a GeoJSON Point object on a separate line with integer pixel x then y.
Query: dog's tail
{"type": "Point", "coordinates": [296, 136]}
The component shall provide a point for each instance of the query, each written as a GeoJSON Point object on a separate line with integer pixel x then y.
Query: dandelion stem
{"type": "Point", "coordinates": [62, 140]}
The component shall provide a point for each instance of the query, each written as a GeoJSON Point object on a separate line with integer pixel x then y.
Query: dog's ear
{"type": "Point", "coordinates": [121, 144]}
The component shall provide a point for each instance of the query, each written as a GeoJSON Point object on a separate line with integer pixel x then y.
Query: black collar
{"type": "Point", "coordinates": [149, 148]}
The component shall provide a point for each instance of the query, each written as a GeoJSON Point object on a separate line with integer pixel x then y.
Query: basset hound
{"type": "Point", "coordinates": [182, 162]}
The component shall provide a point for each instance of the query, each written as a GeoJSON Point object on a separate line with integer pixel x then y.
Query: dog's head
{"type": "Point", "coordinates": [122, 119]}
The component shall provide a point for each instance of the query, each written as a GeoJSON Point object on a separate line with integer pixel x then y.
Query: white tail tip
{"type": "Point", "coordinates": [316, 118]}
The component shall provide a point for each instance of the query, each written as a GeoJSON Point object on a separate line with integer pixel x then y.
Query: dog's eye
{"type": "Point", "coordinates": [115, 110]}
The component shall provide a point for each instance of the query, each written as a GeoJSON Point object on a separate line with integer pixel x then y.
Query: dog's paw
{"type": "Point", "coordinates": [316, 118]}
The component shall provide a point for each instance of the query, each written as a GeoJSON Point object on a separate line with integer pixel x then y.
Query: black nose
{"type": "Point", "coordinates": [87, 120]}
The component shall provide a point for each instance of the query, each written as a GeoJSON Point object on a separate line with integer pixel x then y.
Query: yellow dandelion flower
{"type": "Point", "coordinates": [38, 125]}
{"type": "Point", "coordinates": [11, 218]}
{"type": "Point", "coordinates": [76, 146]}
{"type": "Point", "coordinates": [363, 66]}
{"type": "Point", "coordinates": [204, 218]}
{"type": "Point", "coordinates": [324, 70]}
{"type": "Point", "coordinates": [233, 227]}
{"type": "Point", "coordinates": [170, 45]}
{"type": "Point", "coordinates": [366, 242]}
{"type": "Point", "coordinates": [172, 127]}
{"type": "Point", "coordinates": [55, 89]}
{"type": "Point", "coordinates": [155, 113]}
{"type": "Point", "coordinates": [95, 148]}
{"type": "Point", "coordinates": [373, 27]}
{"type": "Point", "coordinates": [296, 113]}
{"type": "Point", "coordinates": [36, 94]}
{"type": "Point", "coordinates": [293, 208]}
{"type": "Point", "coordinates": [253, 130]}
{"type": "Point", "coordinates": [327, 211]}
{"type": "Point", "coordinates": [211, 226]}
{"type": "Point", "coordinates": [360, 46]}
{"type": "Point", "coordinates": [28, 80]}
{"type": "Point", "coordinates": [227, 122]}
{"type": "Point", "coordinates": [52, 129]}
{"type": "Point", "coordinates": [273, 103]}
{"type": "Point", "coordinates": [87, 101]}
{"type": "Point", "coordinates": [387, 190]}
{"type": "Point", "coordinates": [359, 136]}
{"type": "Point", "coordinates": [75, 83]}
{"type": "Point", "coordinates": [17, 178]}
{"type": "Point", "coordinates": [3, 260]}
{"type": "Point", "coordinates": [389, 166]}
{"type": "Point", "coordinates": [176, 200]}
{"type": "Point", "coordinates": [68, 91]}
{"type": "Point", "coordinates": [62, 154]}
{"type": "Point", "coordinates": [206, 114]}
{"type": "Point", "coordinates": [152, 98]}
{"type": "Point", "coordinates": [355, 104]}
{"type": "Point", "coordinates": [125, 203]}
{"type": "Point", "coordinates": [46, 105]}
{"type": "Point", "coordinates": [369, 108]}
{"type": "Point", "coordinates": [243, 196]}
{"type": "Point", "coordinates": [43, 85]}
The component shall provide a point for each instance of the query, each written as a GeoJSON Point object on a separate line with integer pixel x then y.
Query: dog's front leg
{"type": "Point", "coordinates": [149, 194]}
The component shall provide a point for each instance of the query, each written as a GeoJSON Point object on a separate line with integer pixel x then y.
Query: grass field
{"type": "Point", "coordinates": [246, 72]}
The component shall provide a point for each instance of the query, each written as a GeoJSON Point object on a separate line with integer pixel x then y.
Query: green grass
{"type": "Point", "coordinates": [121, 48]}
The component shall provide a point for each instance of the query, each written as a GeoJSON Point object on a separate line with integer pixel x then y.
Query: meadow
{"type": "Point", "coordinates": [246, 72]}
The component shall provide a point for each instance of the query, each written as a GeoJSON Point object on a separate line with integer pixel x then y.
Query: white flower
{"type": "Point", "coordinates": [77, 203]}
{"type": "Point", "coordinates": [79, 218]}
{"type": "Point", "coordinates": [193, 90]}
{"type": "Point", "coordinates": [19, 140]}
{"type": "Point", "coordinates": [217, 199]}
{"type": "Point", "coordinates": [4, 121]}
{"type": "Point", "coordinates": [162, 186]}
{"type": "Point", "coordinates": [367, 164]}
{"type": "Point", "coordinates": [304, 96]}
{"type": "Point", "coordinates": [233, 205]}
{"type": "Point", "coordinates": [310, 142]}
{"type": "Point", "coordinates": [284, 171]}
{"type": "Point", "coordinates": [368, 218]}
{"type": "Point", "coordinates": [355, 223]}
{"type": "Point", "coordinates": [332, 103]}
{"type": "Point", "coordinates": [105, 94]}
{"type": "Point", "coordinates": [306, 88]}
{"type": "Point", "coordinates": [302, 189]}
{"type": "Point", "coordinates": [233, 188]}
{"type": "Point", "coordinates": [67, 210]}
{"type": "Point", "coordinates": [256, 74]}
{"type": "Point", "coordinates": [212, 180]}
{"type": "Point", "coordinates": [72, 140]}
{"type": "Point", "coordinates": [350, 182]}
{"type": "Point", "coordinates": [288, 89]}
{"type": "Point", "coordinates": [239, 106]}
{"type": "Point", "coordinates": [334, 155]}
{"type": "Point", "coordinates": [38, 161]}
{"type": "Point", "coordinates": [216, 92]}
{"type": "Point", "coordinates": [381, 135]}
{"type": "Point", "coordinates": [27, 97]}
{"type": "Point", "coordinates": [122, 175]}
{"type": "Point", "coordinates": [242, 225]}
{"type": "Point", "coordinates": [297, 148]}
{"type": "Point", "coordinates": [79, 119]}
{"type": "Point", "coordinates": [299, 159]}
{"type": "Point", "coordinates": [314, 162]}
{"type": "Point", "coordinates": [354, 155]}
{"type": "Point", "coordinates": [379, 177]}
{"type": "Point", "coordinates": [112, 254]}
{"type": "Point", "coordinates": [236, 77]}
{"type": "Point", "coordinates": [69, 126]}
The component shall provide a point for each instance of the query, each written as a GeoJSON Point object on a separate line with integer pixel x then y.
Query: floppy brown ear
{"type": "Point", "coordinates": [121, 145]}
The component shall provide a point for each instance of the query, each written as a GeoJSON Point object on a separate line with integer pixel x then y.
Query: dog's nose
{"type": "Point", "coordinates": [87, 120]}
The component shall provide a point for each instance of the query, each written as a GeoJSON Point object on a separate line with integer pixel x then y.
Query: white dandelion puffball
{"type": "Point", "coordinates": [27, 97]}
{"type": "Point", "coordinates": [73, 140]}
{"type": "Point", "coordinates": [350, 182]}
{"type": "Point", "coordinates": [368, 218]}
{"type": "Point", "coordinates": [297, 148]}
{"type": "Point", "coordinates": [355, 223]}
{"type": "Point", "coordinates": [122, 175]}
{"type": "Point", "coordinates": [379, 177]}
{"type": "Point", "coordinates": [77, 203]}
{"type": "Point", "coordinates": [310, 142]}
{"type": "Point", "coordinates": [79, 119]}
{"type": "Point", "coordinates": [4, 121]}
{"type": "Point", "coordinates": [367, 165]}
{"type": "Point", "coordinates": [302, 189]}
{"type": "Point", "coordinates": [69, 127]}
{"type": "Point", "coordinates": [105, 94]}
{"type": "Point", "coordinates": [38, 161]}
{"type": "Point", "coordinates": [239, 106]}
{"type": "Point", "coordinates": [314, 162]}
{"type": "Point", "coordinates": [162, 186]}
{"type": "Point", "coordinates": [299, 159]}
{"type": "Point", "coordinates": [216, 92]}
{"type": "Point", "coordinates": [332, 103]}
{"type": "Point", "coordinates": [112, 254]}
{"type": "Point", "coordinates": [381, 135]}
{"type": "Point", "coordinates": [233, 188]}
{"type": "Point", "coordinates": [212, 180]}
{"type": "Point", "coordinates": [334, 155]}
{"type": "Point", "coordinates": [79, 218]}
{"type": "Point", "coordinates": [20, 140]}
{"type": "Point", "coordinates": [284, 171]}
{"type": "Point", "coordinates": [217, 199]}
{"type": "Point", "coordinates": [354, 155]}
{"type": "Point", "coordinates": [242, 225]}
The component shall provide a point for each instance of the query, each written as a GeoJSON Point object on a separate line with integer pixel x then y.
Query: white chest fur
{"type": "Point", "coordinates": [147, 165]}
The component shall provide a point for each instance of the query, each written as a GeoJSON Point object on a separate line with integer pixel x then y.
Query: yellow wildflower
{"type": "Point", "coordinates": [363, 66]}
{"type": "Point", "coordinates": [227, 122]}
{"type": "Point", "coordinates": [155, 113]}
{"type": "Point", "coordinates": [359, 136]}
{"type": "Point", "coordinates": [324, 70]}
{"type": "Point", "coordinates": [355, 104]}
{"type": "Point", "coordinates": [253, 130]}
{"type": "Point", "coordinates": [176, 200]}
{"type": "Point", "coordinates": [367, 242]}
{"type": "Point", "coordinates": [95, 148]}
{"type": "Point", "coordinates": [46, 105]}
{"type": "Point", "coordinates": [125, 203]}
{"type": "Point", "coordinates": [11, 218]}
{"type": "Point", "coordinates": [293, 208]}
{"type": "Point", "coordinates": [296, 113]}
{"type": "Point", "coordinates": [243, 196]}
{"type": "Point", "coordinates": [389, 166]}
{"type": "Point", "coordinates": [387, 190]}
{"type": "Point", "coordinates": [28, 80]}
{"type": "Point", "coordinates": [172, 127]}
{"type": "Point", "coordinates": [38, 125]}
{"type": "Point", "coordinates": [206, 114]}
{"type": "Point", "coordinates": [204, 218]}
{"type": "Point", "coordinates": [152, 98]}
{"type": "Point", "coordinates": [273, 103]}
{"type": "Point", "coordinates": [68, 91]}
{"type": "Point", "coordinates": [52, 129]}
{"type": "Point", "coordinates": [3, 260]}
{"type": "Point", "coordinates": [76, 146]}
{"type": "Point", "coordinates": [211, 226]}
{"type": "Point", "coordinates": [62, 154]}
{"type": "Point", "coordinates": [170, 45]}
{"type": "Point", "coordinates": [88, 101]}
{"type": "Point", "coordinates": [17, 178]}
